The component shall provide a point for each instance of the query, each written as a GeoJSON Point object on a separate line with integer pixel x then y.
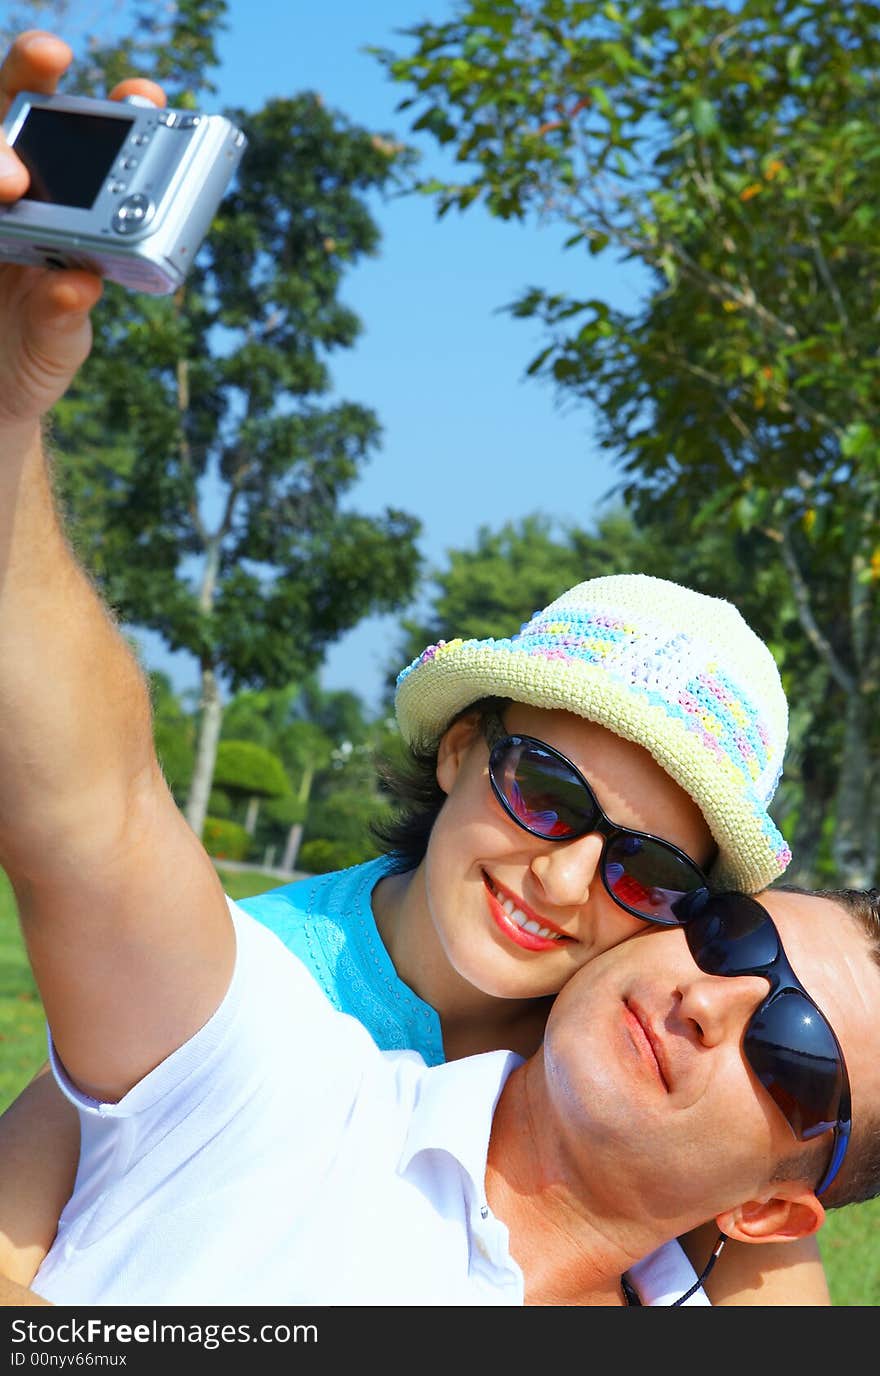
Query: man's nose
{"type": "Point", "coordinates": [720, 1006]}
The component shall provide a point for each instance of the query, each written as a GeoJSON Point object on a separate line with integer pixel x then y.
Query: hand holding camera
{"type": "Point", "coordinates": [126, 190]}
{"type": "Point", "coordinates": [94, 189]}
{"type": "Point", "coordinates": [45, 333]}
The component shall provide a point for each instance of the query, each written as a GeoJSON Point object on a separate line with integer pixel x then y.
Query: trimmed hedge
{"type": "Point", "coordinates": [225, 840]}
{"type": "Point", "coordinates": [250, 769]}
{"type": "Point", "coordinates": [321, 856]}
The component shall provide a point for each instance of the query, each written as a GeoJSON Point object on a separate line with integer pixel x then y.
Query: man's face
{"type": "Point", "coordinates": [646, 1071]}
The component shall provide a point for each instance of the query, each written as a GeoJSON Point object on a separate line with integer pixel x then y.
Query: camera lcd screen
{"type": "Point", "coordinates": [69, 155]}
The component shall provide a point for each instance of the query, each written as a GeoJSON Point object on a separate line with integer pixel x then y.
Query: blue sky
{"type": "Point", "coordinates": [467, 440]}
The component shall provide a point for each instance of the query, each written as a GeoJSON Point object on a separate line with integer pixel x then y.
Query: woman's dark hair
{"type": "Point", "coordinates": [416, 796]}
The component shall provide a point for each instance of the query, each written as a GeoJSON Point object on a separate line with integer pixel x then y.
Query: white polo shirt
{"type": "Point", "coordinates": [279, 1157]}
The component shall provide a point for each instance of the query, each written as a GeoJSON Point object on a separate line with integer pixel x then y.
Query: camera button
{"type": "Point", "coordinates": [133, 213]}
{"type": "Point", "coordinates": [168, 117]}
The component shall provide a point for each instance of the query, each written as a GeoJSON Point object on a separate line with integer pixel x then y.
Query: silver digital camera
{"type": "Point", "coordinates": [121, 188]}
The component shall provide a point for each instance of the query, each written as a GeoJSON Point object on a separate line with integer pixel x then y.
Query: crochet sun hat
{"type": "Point", "coordinates": [677, 672]}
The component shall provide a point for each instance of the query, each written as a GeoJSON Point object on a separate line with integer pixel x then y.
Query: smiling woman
{"type": "Point", "coordinates": [647, 704]}
{"type": "Point", "coordinates": [546, 794]}
{"type": "Point", "coordinates": [478, 849]}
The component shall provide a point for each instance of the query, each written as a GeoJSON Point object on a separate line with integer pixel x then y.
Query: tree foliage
{"type": "Point", "coordinates": [526, 565]}
{"type": "Point", "coordinates": [730, 150]}
{"type": "Point", "coordinates": [327, 746]}
{"type": "Point", "coordinates": [249, 769]}
{"type": "Point", "coordinates": [205, 468]}
{"type": "Point", "coordinates": [226, 840]}
{"type": "Point", "coordinates": [174, 732]}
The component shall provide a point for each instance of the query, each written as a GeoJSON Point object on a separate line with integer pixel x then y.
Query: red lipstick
{"type": "Point", "coordinates": [527, 941]}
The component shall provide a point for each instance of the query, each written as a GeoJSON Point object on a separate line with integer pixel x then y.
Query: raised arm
{"type": "Point", "coordinates": [123, 915]}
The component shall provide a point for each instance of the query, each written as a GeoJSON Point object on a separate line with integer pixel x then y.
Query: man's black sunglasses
{"type": "Point", "coordinates": [789, 1043]}
{"type": "Point", "coordinates": [545, 794]}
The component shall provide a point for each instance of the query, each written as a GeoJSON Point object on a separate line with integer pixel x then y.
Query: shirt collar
{"type": "Point", "coordinates": [453, 1110]}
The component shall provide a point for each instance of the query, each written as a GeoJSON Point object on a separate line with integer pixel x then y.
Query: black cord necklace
{"type": "Point", "coordinates": [631, 1295]}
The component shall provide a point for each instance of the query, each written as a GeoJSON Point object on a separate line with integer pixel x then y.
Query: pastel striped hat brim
{"type": "Point", "coordinates": [675, 671]}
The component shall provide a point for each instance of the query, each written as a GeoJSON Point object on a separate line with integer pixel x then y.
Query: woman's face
{"type": "Point", "coordinates": [517, 915]}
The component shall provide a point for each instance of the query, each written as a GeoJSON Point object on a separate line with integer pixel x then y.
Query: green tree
{"type": "Point", "coordinates": [204, 468]}
{"type": "Point", "coordinates": [261, 715]}
{"type": "Point", "coordinates": [730, 150]}
{"type": "Point", "coordinates": [309, 749]}
{"type": "Point", "coordinates": [324, 741]}
{"type": "Point", "coordinates": [348, 795]}
{"type": "Point", "coordinates": [491, 588]}
{"type": "Point", "coordinates": [250, 772]}
{"type": "Point", "coordinates": [174, 731]}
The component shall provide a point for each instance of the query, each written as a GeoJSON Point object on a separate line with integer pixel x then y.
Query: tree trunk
{"type": "Point", "coordinates": [291, 850]}
{"type": "Point", "coordinates": [295, 835]}
{"type": "Point", "coordinates": [857, 804]}
{"type": "Point", "coordinates": [855, 833]}
{"type": "Point", "coordinates": [253, 812]}
{"type": "Point", "coordinates": [206, 752]}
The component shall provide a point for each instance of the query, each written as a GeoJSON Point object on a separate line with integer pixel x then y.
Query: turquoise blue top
{"type": "Point", "coordinates": [328, 922]}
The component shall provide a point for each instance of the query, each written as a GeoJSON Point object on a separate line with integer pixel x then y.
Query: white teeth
{"type": "Point", "coordinates": [528, 924]}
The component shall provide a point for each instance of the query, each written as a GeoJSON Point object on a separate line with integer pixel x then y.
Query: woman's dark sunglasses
{"type": "Point", "coordinates": [546, 795]}
{"type": "Point", "coordinates": [789, 1042]}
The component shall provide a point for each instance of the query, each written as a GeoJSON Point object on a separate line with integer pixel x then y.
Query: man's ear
{"type": "Point", "coordinates": [792, 1213]}
{"type": "Point", "coordinates": [454, 745]}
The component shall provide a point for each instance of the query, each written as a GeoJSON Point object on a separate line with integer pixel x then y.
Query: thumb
{"type": "Point", "coordinates": [61, 302]}
{"type": "Point", "coordinates": [57, 330]}
{"type": "Point", "coordinates": [39, 358]}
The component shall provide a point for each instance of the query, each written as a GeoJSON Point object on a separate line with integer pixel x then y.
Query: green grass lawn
{"type": "Point", "coordinates": [850, 1240]}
